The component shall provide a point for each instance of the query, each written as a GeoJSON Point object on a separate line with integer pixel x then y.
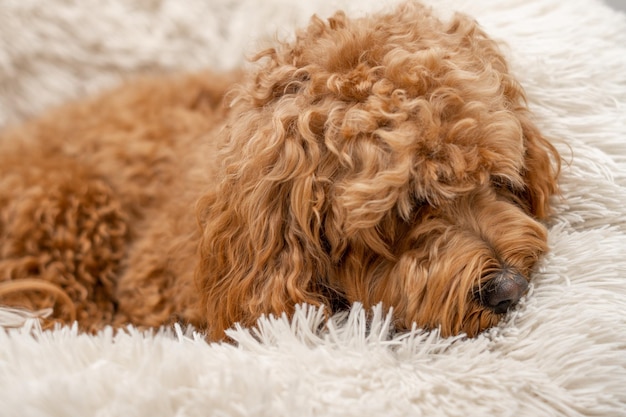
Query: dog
{"type": "Point", "coordinates": [384, 159]}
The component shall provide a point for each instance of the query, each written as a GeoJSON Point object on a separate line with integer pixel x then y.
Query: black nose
{"type": "Point", "coordinates": [503, 292]}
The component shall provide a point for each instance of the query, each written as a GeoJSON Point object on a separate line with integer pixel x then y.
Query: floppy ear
{"type": "Point", "coordinates": [542, 162]}
{"type": "Point", "coordinates": [262, 248]}
{"type": "Point", "coordinates": [541, 169]}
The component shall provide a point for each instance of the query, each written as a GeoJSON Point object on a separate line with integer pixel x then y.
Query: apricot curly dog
{"type": "Point", "coordinates": [387, 159]}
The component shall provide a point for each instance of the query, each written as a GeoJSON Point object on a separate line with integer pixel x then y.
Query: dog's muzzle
{"type": "Point", "coordinates": [503, 292]}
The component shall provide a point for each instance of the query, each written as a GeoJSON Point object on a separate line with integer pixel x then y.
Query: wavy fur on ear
{"type": "Point", "coordinates": [541, 164]}
{"type": "Point", "coordinates": [263, 245]}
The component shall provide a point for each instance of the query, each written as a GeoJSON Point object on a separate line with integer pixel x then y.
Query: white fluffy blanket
{"type": "Point", "coordinates": [561, 352]}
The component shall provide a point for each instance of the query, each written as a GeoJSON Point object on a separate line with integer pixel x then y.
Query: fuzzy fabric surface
{"type": "Point", "coordinates": [562, 351]}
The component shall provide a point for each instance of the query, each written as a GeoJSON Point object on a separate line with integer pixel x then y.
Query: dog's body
{"type": "Point", "coordinates": [99, 198]}
{"type": "Point", "coordinates": [386, 159]}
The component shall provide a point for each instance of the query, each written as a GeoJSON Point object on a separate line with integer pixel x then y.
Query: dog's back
{"type": "Point", "coordinates": [97, 198]}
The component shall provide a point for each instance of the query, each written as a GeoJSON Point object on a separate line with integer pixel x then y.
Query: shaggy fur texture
{"type": "Point", "coordinates": [385, 159]}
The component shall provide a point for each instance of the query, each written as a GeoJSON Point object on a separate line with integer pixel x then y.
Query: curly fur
{"type": "Point", "coordinates": [387, 159]}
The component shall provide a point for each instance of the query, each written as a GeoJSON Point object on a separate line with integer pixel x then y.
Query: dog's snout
{"type": "Point", "coordinates": [503, 292]}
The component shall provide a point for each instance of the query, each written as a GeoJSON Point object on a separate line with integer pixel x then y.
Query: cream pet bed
{"type": "Point", "coordinates": [562, 352]}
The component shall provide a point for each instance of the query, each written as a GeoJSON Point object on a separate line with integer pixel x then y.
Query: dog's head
{"type": "Point", "coordinates": [384, 159]}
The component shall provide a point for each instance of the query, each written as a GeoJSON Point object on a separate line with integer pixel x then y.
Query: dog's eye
{"type": "Point", "coordinates": [500, 183]}
{"type": "Point", "coordinates": [513, 193]}
{"type": "Point", "coordinates": [418, 201]}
